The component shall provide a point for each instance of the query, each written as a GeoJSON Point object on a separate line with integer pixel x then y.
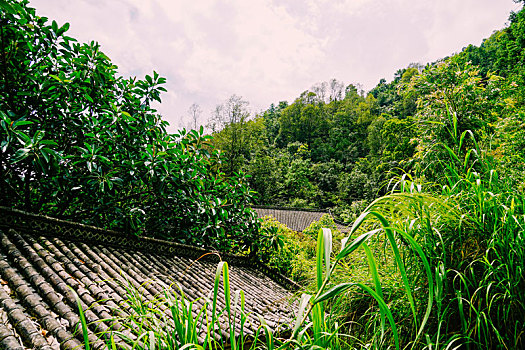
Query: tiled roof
{"type": "Point", "coordinates": [295, 219]}
{"type": "Point", "coordinates": [41, 257]}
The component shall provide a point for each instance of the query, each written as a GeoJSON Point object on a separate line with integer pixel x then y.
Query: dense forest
{"type": "Point", "coordinates": [340, 147]}
{"type": "Point", "coordinates": [428, 170]}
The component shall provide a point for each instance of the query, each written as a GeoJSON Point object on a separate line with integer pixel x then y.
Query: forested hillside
{"type": "Point", "coordinates": [430, 165]}
{"type": "Point", "coordinates": [428, 169]}
{"type": "Point", "coordinates": [339, 147]}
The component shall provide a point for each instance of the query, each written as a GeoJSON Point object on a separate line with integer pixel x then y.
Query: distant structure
{"type": "Point", "coordinates": [296, 219]}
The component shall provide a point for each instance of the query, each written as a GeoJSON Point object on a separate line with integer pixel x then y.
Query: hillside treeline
{"type": "Point", "coordinates": [338, 147]}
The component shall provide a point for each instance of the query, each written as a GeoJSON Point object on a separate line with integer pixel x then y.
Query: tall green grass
{"type": "Point", "coordinates": [445, 267]}
{"type": "Point", "coordinates": [478, 255]}
{"type": "Point", "coordinates": [148, 326]}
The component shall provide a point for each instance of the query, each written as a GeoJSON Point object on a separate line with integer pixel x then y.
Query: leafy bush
{"type": "Point", "coordinates": [326, 221]}
{"type": "Point", "coordinates": [80, 142]}
{"type": "Point", "coordinates": [288, 250]}
{"type": "Point", "coordinates": [294, 254]}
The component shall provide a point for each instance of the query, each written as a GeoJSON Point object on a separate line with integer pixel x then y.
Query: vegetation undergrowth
{"type": "Point", "coordinates": [211, 327]}
{"type": "Point", "coordinates": [444, 270]}
{"type": "Point", "coordinates": [294, 255]}
{"type": "Point", "coordinates": [436, 262]}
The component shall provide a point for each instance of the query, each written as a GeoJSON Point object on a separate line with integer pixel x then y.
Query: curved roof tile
{"type": "Point", "coordinates": [295, 219]}
{"type": "Point", "coordinates": [43, 259]}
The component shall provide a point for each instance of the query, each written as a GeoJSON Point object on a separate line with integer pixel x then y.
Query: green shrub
{"type": "Point", "coordinates": [79, 142]}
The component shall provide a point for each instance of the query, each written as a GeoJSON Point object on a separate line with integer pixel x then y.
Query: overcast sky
{"type": "Point", "coordinates": [271, 50]}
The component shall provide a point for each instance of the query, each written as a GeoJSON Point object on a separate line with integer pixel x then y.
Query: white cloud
{"type": "Point", "coordinates": [272, 51]}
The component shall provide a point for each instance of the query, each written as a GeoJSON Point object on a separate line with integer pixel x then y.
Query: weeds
{"type": "Point", "coordinates": [439, 270]}
{"type": "Point", "coordinates": [184, 326]}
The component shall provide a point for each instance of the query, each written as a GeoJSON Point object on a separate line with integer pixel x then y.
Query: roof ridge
{"type": "Point", "coordinates": [291, 208]}
{"type": "Point", "coordinates": [53, 227]}
{"type": "Point", "coordinates": [343, 227]}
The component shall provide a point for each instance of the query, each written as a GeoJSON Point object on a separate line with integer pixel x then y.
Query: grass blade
{"type": "Point", "coordinates": [303, 304]}
{"type": "Point", "coordinates": [399, 261]}
{"type": "Point", "coordinates": [375, 277]}
{"type": "Point", "coordinates": [347, 249]}
{"type": "Point", "coordinates": [385, 309]}
{"type": "Point", "coordinates": [82, 320]}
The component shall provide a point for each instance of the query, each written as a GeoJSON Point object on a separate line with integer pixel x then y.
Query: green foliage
{"type": "Point", "coordinates": [293, 252]}
{"type": "Point", "coordinates": [389, 100]}
{"type": "Point", "coordinates": [447, 89]}
{"type": "Point", "coordinates": [239, 135]}
{"type": "Point", "coordinates": [78, 141]}
{"type": "Point", "coordinates": [480, 257]}
{"type": "Point", "coordinates": [296, 250]}
{"type": "Point", "coordinates": [326, 221]}
{"type": "Point", "coordinates": [289, 148]}
{"type": "Point", "coordinates": [443, 253]}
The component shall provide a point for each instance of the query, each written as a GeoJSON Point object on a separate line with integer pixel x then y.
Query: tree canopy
{"type": "Point", "coordinates": [80, 142]}
{"type": "Point", "coordinates": [335, 146]}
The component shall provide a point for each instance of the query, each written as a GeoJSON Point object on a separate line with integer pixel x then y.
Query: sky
{"type": "Point", "coordinates": [271, 50]}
